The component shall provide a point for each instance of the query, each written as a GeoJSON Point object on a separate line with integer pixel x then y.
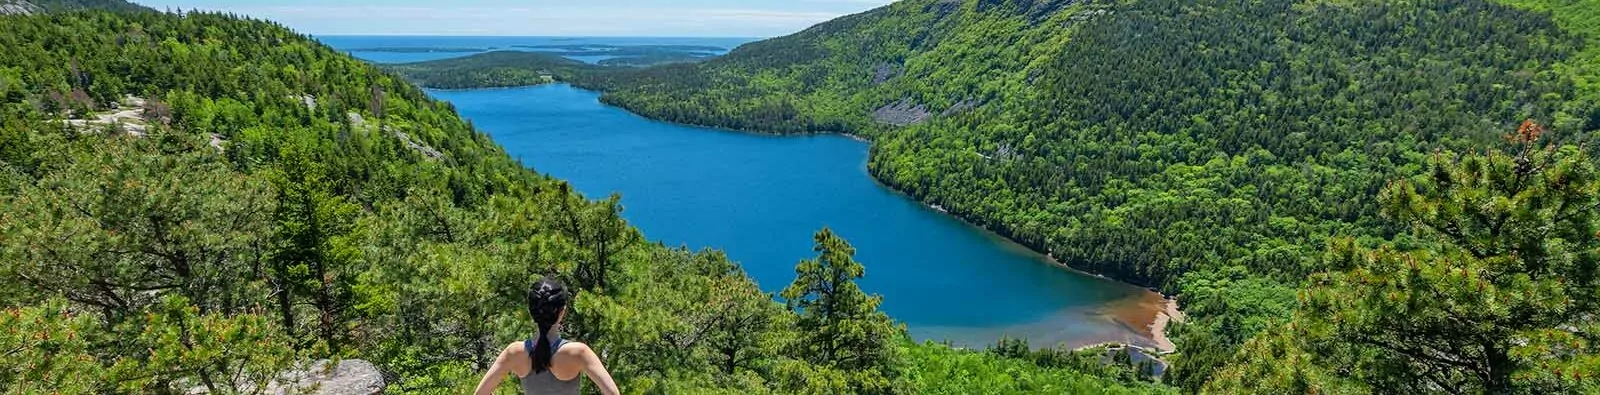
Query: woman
{"type": "Point", "coordinates": [547, 364]}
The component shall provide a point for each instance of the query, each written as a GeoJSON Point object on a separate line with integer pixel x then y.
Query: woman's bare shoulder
{"type": "Point", "coordinates": [514, 349]}
{"type": "Point", "coordinates": [575, 349]}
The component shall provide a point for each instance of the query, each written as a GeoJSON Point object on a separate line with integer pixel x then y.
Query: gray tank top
{"type": "Point", "coordinates": [546, 383]}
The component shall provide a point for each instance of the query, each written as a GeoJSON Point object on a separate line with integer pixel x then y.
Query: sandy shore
{"type": "Point", "coordinates": [1148, 314]}
{"type": "Point", "coordinates": [1158, 327]}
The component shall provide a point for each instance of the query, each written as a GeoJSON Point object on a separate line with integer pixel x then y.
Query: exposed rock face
{"type": "Point", "coordinates": [905, 112]}
{"type": "Point", "coordinates": [349, 377]}
{"type": "Point", "coordinates": [356, 120]}
{"type": "Point", "coordinates": [421, 148]}
{"type": "Point", "coordinates": [883, 72]}
{"type": "Point", "coordinates": [359, 123]}
{"type": "Point", "coordinates": [16, 7]}
{"type": "Point", "coordinates": [1035, 10]}
{"type": "Point", "coordinates": [217, 142]}
{"type": "Point", "coordinates": [963, 105]}
{"type": "Point", "coordinates": [128, 115]}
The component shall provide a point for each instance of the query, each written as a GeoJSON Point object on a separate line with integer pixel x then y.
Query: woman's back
{"type": "Point", "coordinates": [548, 381]}
{"type": "Point", "coordinates": [570, 360]}
{"type": "Point", "coordinates": [546, 363]}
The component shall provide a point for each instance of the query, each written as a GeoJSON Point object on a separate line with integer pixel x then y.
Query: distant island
{"type": "Point", "coordinates": [499, 69]}
{"type": "Point", "coordinates": [658, 47]}
{"type": "Point", "coordinates": [651, 60]}
{"type": "Point", "coordinates": [651, 50]}
{"type": "Point", "coordinates": [491, 70]}
{"type": "Point", "coordinates": [419, 49]}
{"type": "Point", "coordinates": [534, 64]}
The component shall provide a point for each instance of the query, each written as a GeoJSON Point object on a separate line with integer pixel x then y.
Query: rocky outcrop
{"type": "Point", "coordinates": [218, 142]}
{"type": "Point", "coordinates": [883, 72]}
{"type": "Point", "coordinates": [1035, 10]}
{"type": "Point", "coordinates": [421, 148]}
{"type": "Point", "coordinates": [902, 113]}
{"type": "Point", "coordinates": [128, 116]}
{"type": "Point", "coordinates": [963, 105]}
{"type": "Point", "coordinates": [356, 120]}
{"type": "Point", "coordinates": [348, 377]}
{"type": "Point", "coordinates": [18, 7]}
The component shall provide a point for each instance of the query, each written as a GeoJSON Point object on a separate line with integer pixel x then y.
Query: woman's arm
{"type": "Point", "coordinates": [597, 372]}
{"type": "Point", "coordinates": [496, 374]}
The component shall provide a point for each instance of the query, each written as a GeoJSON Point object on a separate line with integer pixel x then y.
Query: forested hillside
{"type": "Point", "coordinates": [490, 70]}
{"type": "Point", "coordinates": [39, 6]}
{"type": "Point", "coordinates": [499, 69]}
{"type": "Point", "coordinates": [200, 202]}
{"type": "Point", "coordinates": [1213, 149]}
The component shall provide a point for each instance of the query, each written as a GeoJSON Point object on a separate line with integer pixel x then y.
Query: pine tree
{"type": "Point", "coordinates": [1494, 292]}
{"type": "Point", "coordinates": [312, 255]}
{"type": "Point", "coordinates": [840, 324]}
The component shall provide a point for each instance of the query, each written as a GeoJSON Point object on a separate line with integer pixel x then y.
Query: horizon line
{"type": "Point", "coordinates": [523, 35]}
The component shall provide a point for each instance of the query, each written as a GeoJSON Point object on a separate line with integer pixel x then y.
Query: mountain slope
{"type": "Point", "coordinates": [1142, 139]}
{"type": "Point", "coordinates": [1208, 148]}
{"type": "Point", "coordinates": [924, 56]}
{"type": "Point", "coordinates": [489, 70]}
{"type": "Point", "coordinates": [198, 202]}
{"type": "Point", "coordinates": [40, 6]}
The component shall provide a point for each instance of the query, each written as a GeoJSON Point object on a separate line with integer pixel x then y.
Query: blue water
{"type": "Point", "coordinates": [502, 44]}
{"type": "Point", "coordinates": [761, 197]}
{"type": "Point", "coordinates": [590, 59]}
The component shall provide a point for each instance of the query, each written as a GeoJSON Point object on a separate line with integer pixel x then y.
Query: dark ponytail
{"type": "Point", "coordinates": [546, 299]}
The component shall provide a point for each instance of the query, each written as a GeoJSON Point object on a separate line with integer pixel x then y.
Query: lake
{"type": "Point", "coordinates": [761, 197]}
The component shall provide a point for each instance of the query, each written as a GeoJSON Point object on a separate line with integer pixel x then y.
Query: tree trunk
{"type": "Point", "coordinates": [1498, 380]}
{"type": "Point", "coordinates": [285, 309]}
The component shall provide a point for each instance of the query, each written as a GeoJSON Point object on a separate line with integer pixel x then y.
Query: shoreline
{"type": "Point", "coordinates": [1155, 310]}
{"type": "Point", "coordinates": [1150, 315]}
{"type": "Point", "coordinates": [1152, 326]}
{"type": "Point", "coordinates": [1158, 329]}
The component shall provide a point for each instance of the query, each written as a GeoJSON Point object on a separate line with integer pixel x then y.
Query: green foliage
{"type": "Point", "coordinates": [1495, 293]}
{"type": "Point", "coordinates": [841, 327]}
{"type": "Point", "coordinates": [44, 351]}
{"type": "Point", "coordinates": [171, 348]}
{"type": "Point", "coordinates": [534, 66]}
{"type": "Point", "coordinates": [1243, 139]}
{"type": "Point", "coordinates": [935, 369]}
{"type": "Point", "coordinates": [1209, 149]}
{"type": "Point", "coordinates": [311, 250]}
{"type": "Point", "coordinates": [283, 202]}
{"type": "Point", "coordinates": [491, 70]}
{"type": "Point", "coordinates": [1099, 361]}
{"type": "Point", "coordinates": [116, 224]}
{"type": "Point", "coordinates": [75, 5]}
{"type": "Point", "coordinates": [1583, 19]}
{"type": "Point", "coordinates": [1236, 307]}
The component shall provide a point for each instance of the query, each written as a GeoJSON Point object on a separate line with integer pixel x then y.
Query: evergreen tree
{"type": "Point", "coordinates": [312, 253]}
{"type": "Point", "coordinates": [1493, 292]}
{"type": "Point", "coordinates": [840, 325]}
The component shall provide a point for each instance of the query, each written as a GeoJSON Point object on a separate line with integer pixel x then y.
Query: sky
{"type": "Point", "coordinates": [663, 18]}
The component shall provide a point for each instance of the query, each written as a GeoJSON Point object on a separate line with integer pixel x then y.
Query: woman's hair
{"type": "Point", "coordinates": [546, 299]}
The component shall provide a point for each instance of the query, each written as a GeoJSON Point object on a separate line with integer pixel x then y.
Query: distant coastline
{"type": "Point", "coordinates": [419, 50]}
